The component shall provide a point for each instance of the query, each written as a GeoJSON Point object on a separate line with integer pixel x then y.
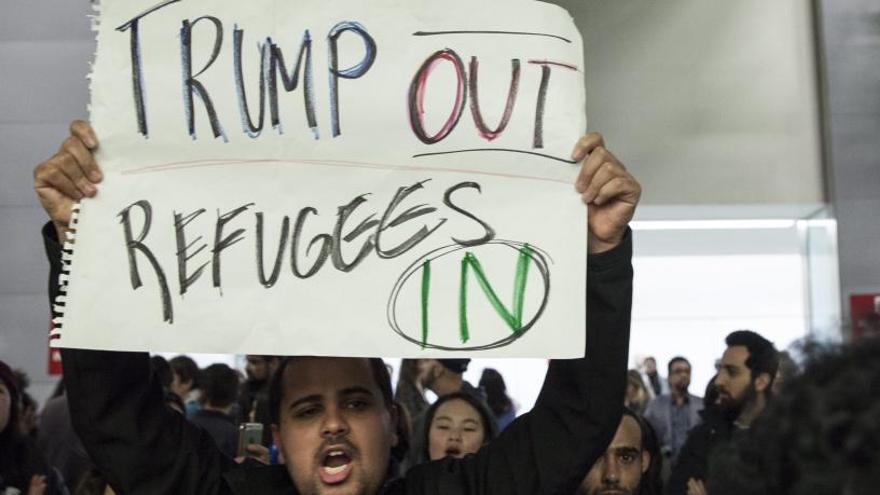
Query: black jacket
{"type": "Point", "coordinates": [693, 458]}
{"type": "Point", "coordinates": [142, 447]}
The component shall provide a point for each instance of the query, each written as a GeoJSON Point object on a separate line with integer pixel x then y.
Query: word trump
{"type": "Point", "coordinates": [287, 71]}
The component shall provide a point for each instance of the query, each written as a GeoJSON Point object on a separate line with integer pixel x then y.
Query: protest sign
{"type": "Point", "coordinates": [382, 177]}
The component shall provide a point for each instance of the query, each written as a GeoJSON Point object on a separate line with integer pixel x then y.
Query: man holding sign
{"type": "Point", "coordinates": [378, 171]}
{"type": "Point", "coordinates": [333, 416]}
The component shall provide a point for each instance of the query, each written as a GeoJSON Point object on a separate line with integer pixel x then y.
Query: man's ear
{"type": "Point", "coordinates": [762, 383]}
{"type": "Point", "coordinates": [276, 437]}
{"type": "Point", "coordinates": [646, 461]}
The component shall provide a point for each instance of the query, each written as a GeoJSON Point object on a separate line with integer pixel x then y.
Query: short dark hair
{"type": "Point", "coordinates": [677, 359]}
{"type": "Point", "coordinates": [219, 385]}
{"type": "Point", "coordinates": [819, 435]}
{"type": "Point", "coordinates": [763, 356]}
{"type": "Point", "coordinates": [276, 385]}
{"type": "Point", "coordinates": [489, 429]}
{"type": "Point", "coordinates": [185, 368]}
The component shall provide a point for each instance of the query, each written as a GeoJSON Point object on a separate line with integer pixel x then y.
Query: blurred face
{"type": "Point", "coordinates": [456, 430]}
{"type": "Point", "coordinates": [619, 471]}
{"type": "Point", "coordinates": [680, 376]}
{"type": "Point", "coordinates": [5, 406]}
{"type": "Point", "coordinates": [180, 387]}
{"type": "Point", "coordinates": [257, 369]}
{"type": "Point", "coordinates": [734, 380]}
{"type": "Point", "coordinates": [336, 433]}
{"type": "Point", "coordinates": [427, 372]}
{"type": "Point", "coordinates": [650, 366]}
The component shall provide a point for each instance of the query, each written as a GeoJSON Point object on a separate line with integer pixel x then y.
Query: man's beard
{"type": "Point", "coordinates": [617, 488]}
{"type": "Point", "coordinates": [731, 407]}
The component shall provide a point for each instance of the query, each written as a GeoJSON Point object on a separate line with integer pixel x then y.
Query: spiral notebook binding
{"type": "Point", "coordinates": [64, 277]}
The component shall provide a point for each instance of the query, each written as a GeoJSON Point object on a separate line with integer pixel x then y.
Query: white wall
{"type": "Point", "coordinates": [720, 96]}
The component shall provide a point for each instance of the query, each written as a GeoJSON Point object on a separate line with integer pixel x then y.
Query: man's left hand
{"type": "Point", "coordinates": [609, 191]}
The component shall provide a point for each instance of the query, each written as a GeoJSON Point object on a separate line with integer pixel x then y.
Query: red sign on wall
{"type": "Point", "coordinates": [54, 366]}
{"type": "Point", "coordinates": [864, 311]}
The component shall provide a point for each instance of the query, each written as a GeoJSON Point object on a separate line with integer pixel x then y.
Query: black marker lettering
{"type": "Point", "coordinates": [190, 84]}
{"type": "Point", "coordinates": [326, 241]}
{"type": "Point", "coordinates": [409, 214]}
{"type": "Point", "coordinates": [291, 80]}
{"type": "Point", "coordinates": [247, 123]}
{"type": "Point", "coordinates": [282, 242]}
{"type": "Point", "coordinates": [180, 222]}
{"type": "Point", "coordinates": [447, 200]}
{"type": "Point", "coordinates": [137, 75]}
{"type": "Point", "coordinates": [353, 72]}
{"type": "Point", "coordinates": [133, 244]}
{"type": "Point", "coordinates": [221, 243]}
{"type": "Point", "coordinates": [368, 223]}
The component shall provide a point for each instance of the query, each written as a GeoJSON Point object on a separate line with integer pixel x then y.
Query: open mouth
{"type": "Point", "coordinates": [454, 452]}
{"type": "Point", "coordinates": [335, 466]}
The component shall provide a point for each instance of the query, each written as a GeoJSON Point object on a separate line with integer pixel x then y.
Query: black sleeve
{"type": "Point", "coordinates": [691, 462]}
{"type": "Point", "coordinates": [550, 449]}
{"type": "Point", "coordinates": [118, 410]}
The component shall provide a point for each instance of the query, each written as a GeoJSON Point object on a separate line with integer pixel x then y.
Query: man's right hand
{"type": "Point", "coordinates": [68, 176]}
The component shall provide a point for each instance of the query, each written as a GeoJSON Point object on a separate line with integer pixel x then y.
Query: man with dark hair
{"type": "Point", "coordinates": [336, 426]}
{"type": "Point", "coordinates": [631, 465]}
{"type": "Point", "coordinates": [820, 436]}
{"type": "Point", "coordinates": [743, 383]}
{"type": "Point", "coordinates": [219, 391]}
{"type": "Point", "coordinates": [253, 402]}
{"type": "Point", "coordinates": [672, 415]}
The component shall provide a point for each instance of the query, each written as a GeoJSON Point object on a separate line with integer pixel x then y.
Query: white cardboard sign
{"type": "Point", "coordinates": [353, 178]}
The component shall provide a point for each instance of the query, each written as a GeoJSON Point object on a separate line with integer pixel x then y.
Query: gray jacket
{"type": "Point", "coordinates": [659, 414]}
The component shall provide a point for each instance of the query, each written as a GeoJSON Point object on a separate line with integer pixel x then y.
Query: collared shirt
{"type": "Point", "coordinates": [672, 422]}
{"type": "Point", "coordinates": [680, 422]}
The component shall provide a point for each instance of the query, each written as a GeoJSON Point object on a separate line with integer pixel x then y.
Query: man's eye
{"type": "Point", "coordinates": [357, 405]}
{"type": "Point", "coordinates": [471, 429]}
{"type": "Point", "coordinates": [307, 412]}
{"type": "Point", "coordinates": [627, 458]}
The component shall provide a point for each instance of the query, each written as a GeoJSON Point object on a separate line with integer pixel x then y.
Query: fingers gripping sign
{"type": "Point", "coordinates": [70, 175]}
{"type": "Point", "coordinates": [610, 192]}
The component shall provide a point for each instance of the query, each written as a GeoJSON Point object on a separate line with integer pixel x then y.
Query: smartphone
{"type": "Point", "coordinates": [249, 433]}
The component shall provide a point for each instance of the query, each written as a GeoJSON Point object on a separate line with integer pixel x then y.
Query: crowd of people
{"type": "Point", "coordinates": [131, 423]}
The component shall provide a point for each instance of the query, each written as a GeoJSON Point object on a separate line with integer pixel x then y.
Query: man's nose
{"type": "Point", "coordinates": [334, 424]}
{"type": "Point", "coordinates": [611, 473]}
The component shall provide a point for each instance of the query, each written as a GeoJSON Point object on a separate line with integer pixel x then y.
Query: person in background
{"type": "Point", "coordinates": [219, 385]}
{"type": "Point", "coordinates": [443, 377]}
{"type": "Point", "coordinates": [162, 371]}
{"type": "Point", "coordinates": [672, 415]}
{"type": "Point", "coordinates": [458, 424]}
{"type": "Point", "coordinates": [744, 386]}
{"type": "Point", "coordinates": [185, 382]}
{"type": "Point", "coordinates": [637, 395]}
{"type": "Point", "coordinates": [410, 393]}
{"type": "Point", "coordinates": [22, 465]}
{"type": "Point", "coordinates": [655, 382]}
{"type": "Point", "coordinates": [27, 418]}
{"type": "Point", "coordinates": [632, 463]}
{"type": "Point", "coordinates": [59, 443]}
{"type": "Point", "coordinates": [253, 400]}
{"type": "Point", "coordinates": [502, 406]}
{"type": "Point", "coordinates": [820, 436]}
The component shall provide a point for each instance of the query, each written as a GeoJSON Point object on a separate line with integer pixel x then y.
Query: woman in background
{"type": "Point", "coordinates": [502, 406]}
{"type": "Point", "coordinates": [458, 425]}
